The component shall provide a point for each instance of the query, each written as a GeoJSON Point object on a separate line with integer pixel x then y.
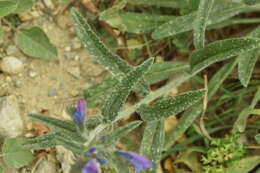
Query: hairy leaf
{"type": "Point", "coordinates": [54, 122]}
{"type": "Point", "coordinates": [191, 115]}
{"type": "Point", "coordinates": [221, 50]}
{"type": "Point", "coordinates": [14, 154]}
{"type": "Point", "coordinates": [200, 22]}
{"type": "Point", "coordinates": [244, 165]}
{"type": "Point", "coordinates": [139, 23]}
{"type": "Point", "coordinates": [105, 57]}
{"type": "Point", "coordinates": [185, 23]}
{"type": "Point", "coordinates": [170, 105]}
{"type": "Point", "coordinates": [152, 142]}
{"type": "Point", "coordinates": [121, 91]}
{"type": "Point", "coordinates": [161, 3]}
{"type": "Point", "coordinates": [35, 43]}
{"type": "Point", "coordinates": [120, 132]}
{"type": "Point", "coordinates": [97, 93]}
{"type": "Point", "coordinates": [248, 60]}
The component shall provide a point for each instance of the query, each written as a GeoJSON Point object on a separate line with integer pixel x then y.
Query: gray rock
{"type": "Point", "coordinates": [52, 92]}
{"type": "Point", "coordinates": [11, 65]}
{"type": "Point", "coordinates": [11, 50]}
{"type": "Point", "coordinates": [66, 158]}
{"type": "Point", "coordinates": [47, 165]}
{"type": "Point", "coordinates": [11, 124]}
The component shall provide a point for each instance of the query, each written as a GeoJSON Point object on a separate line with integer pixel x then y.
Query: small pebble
{"type": "Point", "coordinates": [11, 65]}
{"type": "Point", "coordinates": [52, 92]}
{"type": "Point", "coordinates": [32, 74]}
{"type": "Point", "coordinates": [11, 50]}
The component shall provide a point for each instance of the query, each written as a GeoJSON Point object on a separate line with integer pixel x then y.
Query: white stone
{"type": "Point", "coordinates": [11, 65]}
{"type": "Point", "coordinates": [11, 124]}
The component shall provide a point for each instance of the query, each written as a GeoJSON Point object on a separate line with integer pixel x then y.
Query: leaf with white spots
{"type": "Point", "coordinates": [200, 22]}
{"type": "Point", "coordinates": [161, 3]}
{"type": "Point", "coordinates": [191, 115]}
{"type": "Point", "coordinates": [185, 23]}
{"type": "Point", "coordinates": [121, 91]}
{"type": "Point", "coordinates": [221, 50]}
{"type": "Point", "coordinates": [248, 60]}
{"type": "Point", "coordinates": [152, 142]}
{"type": "Point", "coordinates": [113, 63]}
{"type": "Point", "coordinates": [170, 105]}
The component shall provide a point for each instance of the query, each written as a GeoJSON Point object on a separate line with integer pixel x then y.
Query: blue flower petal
{"type": "Point", "coordinates": [90, 167]}
{"type": "Point", "coordinates": [101, 160]}
{"type": "Point", "coordinates": [80, 114]}
{"type": "Point", "coordinates": [91, 150]}
{"type": "Point", "coordinates": [140, 162]}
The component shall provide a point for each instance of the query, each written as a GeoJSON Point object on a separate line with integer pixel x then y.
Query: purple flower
{"type": "Point", "coordinates": [137, 160]}
{"type": "Point", "coordinates": [91, 150]}
{"type": "Point", "coordinates": [101, 160]}
{"type": "Point", "coordinates": [80, 113]}
{"type": "Point", "coordinates": [90, 167]}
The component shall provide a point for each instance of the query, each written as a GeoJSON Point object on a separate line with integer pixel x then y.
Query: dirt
{"type": "Point", "coordinates": [51, 85]}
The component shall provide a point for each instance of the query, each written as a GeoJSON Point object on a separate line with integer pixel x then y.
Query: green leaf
{"type": "Point", "coordinates": [161, 3]}
{"type": "Point", "coordinates": [221, 50]}
{"type": "Point", "coordinates": [120, 132]}
{"type": "Point", "coordinates": [191, 115]}
{"type": "Point", "coordinates": [170, 105]}
{"type": "Point", "coordinates": [152, 142]}
{"type": "Point", "coordinates": [105, 57]}
{"type": "Point", "coordinates": [248, 60]}
{"type": "Point", "coordinates": [1, 169]}
{"type": "Point", "coordinates": [97, 93]}
{"type": "Point", "coordinates": [243, 165]}
{"type": "Point", "coordinates": [23, 6]}
{"type": "Point", "coordinates": [138, 23]}
{"type": "Point", "coordinates": [14, 154]}
{"type": "Point", "coordinates": [240, 123]}
{"type": "Point", "coordinates": [251, 2]}
{"type": "Point", "coordinates": [257, 138]}
{"type": "Point", "coordinates": [7, 7]}
{"type": "Point", "coordinates": [109, 60]}
{"type": "Point", "coordinates": [35, 43]}
{"type": "Point", "coordinates": [185, 23]}
{"type": "Point", "coordinates": [122, 90]}
{"type": "Point", "coordinates": [54, 122]}
{"type": "Point", "coordinates": [200, 23]}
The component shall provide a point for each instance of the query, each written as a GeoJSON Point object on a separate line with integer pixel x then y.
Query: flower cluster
{"type": "Point", "coordinates": [93, 165]}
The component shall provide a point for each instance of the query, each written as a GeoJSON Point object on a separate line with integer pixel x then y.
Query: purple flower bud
{"type": "Point", "coordinates": [137, 160]}
{"type": "Point", "coordinates": [90, 167]}
{"type": "Point", "coordinates": [80, 113]}
{"type": "Point", "coordinates": [91, 150]}
{"type": "Point", "coordinates": [101, 160]}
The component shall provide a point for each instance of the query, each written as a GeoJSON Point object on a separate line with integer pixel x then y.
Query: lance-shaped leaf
{"type": "Point", "coordinates": [247, 61]}
{"type": "Point", "coordinates": [120, 132]}
{"type": "Point", "coordinates": [35, 43]}
{"type": "Point", "coordinates": [243, 165]}
{"type": "Point", "coordinates": [170, 105]}
{"type": "Point", "coordinates": [221, 50]}
{"type": "Point", "coordinates": [240, 123]}
{"type": "Point", "coordinates": [162, 3]}
{"type": "Point", "coordinates": [185, 23]}
{"type": "Point", "coordinates": [200, 22]}
{"type": "Point", "coordinates": [54, 122]}
{"type": "Point", "coordinates": [190, 116]}
{"type": "Point", "coordinates": [14, 6]}
{"type": "Point", "coordinates": [95, 46]}
{"type": "Point", "coordinates": [152, 142]}
{"type": "Point", "coordinates": [97, 93]}
{"type": "Point", "coordinates": [122, 90]}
